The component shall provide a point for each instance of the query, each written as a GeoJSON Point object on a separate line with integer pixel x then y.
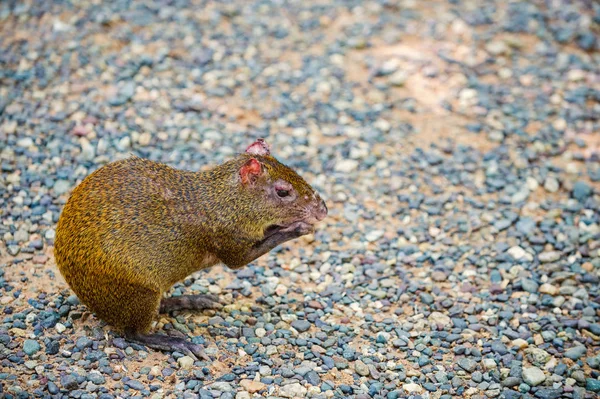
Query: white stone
{"type": "Point", "coordinates": [505, 73]}
{"type": "Point", "coordinates": [575, 75]}
{"type": "Point", "coordinates": [532, 183]}
{"type": "Point", "coordinates": [346, 165]}
{"type": "Point", "coordinates": [496, 47]}
{"type": "Point", "coordinates": [185, 362]}
{"type": "Point", "coordinates": [551, 185]}
{"type": "Point", "coordinates": [398, 78]}
{"type": "Point", "coordinates": [25, 142]}
{"type": "Point", "coordinates": [520, 343]}
{"type": "Point", "coordinates": [439, 318]}
{"type": "Point", "coordinates": [374, 235]}
{"type": "Point", "coordinates": [533, 376]}
{"type": "Point", "coordinates": [60, 328]}
{"type": "Point", "coordinates": [383, 125]}
{"type": "Point", "coordinates": [21, 236]}
{"type": "Point", "coordinates": [412, 387]}
{"type": "Point", "coordinates": [214, 289]}
{"type": "Point", "coordinates": [13, 178]}
{"type": "Point", "coordinates": [124, 144]}
{"type": "Point", "coordinates": [549, 256]}
{"type": "Point", "coordinates": [260, 332]}
{"type": "Point", "coordinates": [5, 300]}
{"type": "Point", "coordinates": [520, 196]}
{"type": "Point", "coordinates": [88, 152]}
{"type": "Point", "coordinates": [496, 136]}
{"type": "Point", "coordinates": [548, 289]}
{"type": "Point", "coordinates": [489, 364]}
{"type": "Point", "coordinates": [281, 290]}
{"type": "Point", "coordinates": [390, 66]}
{"type": "Point", "coordinates": [144, 138]}
{"type": "Point", "coordinates": [559, 124]}
{"type": "Point", "coordinates": [434, 231]}
{"type": "Point", "coordinates": [467, 97]}
{"type": "Point", "coordinates": [517, 252]}
{"type": "Point", "coordinates": [294, 390]}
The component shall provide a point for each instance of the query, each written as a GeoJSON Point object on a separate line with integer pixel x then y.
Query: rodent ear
{"type": "Point", "coordinates": [250, 171]}
{"type": "Point", "coordinates": [259, 147]}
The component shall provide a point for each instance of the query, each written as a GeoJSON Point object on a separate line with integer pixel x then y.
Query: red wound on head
{"type": "Point", "coordinates": [250, 171]}
{"type": "Point", "coordinates": [259, 147]}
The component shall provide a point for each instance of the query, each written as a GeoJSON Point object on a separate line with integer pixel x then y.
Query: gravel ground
{"type": "Point", "coordinates": [456, 142]}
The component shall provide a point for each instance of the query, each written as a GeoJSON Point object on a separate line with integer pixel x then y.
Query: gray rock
{"type": "Point", "coordinates": [301, 325]}
{"type": "Point", "coordinates": [134, 384]}
{"type": "Point", "coordinates": [222, 386]}
{"type": "Point", "coordinates": [548, 335]}
{"type": "Point", "coordinates": [302, 370]}
{"type": "Point", "coordinates": [467, 364]}
{"type": "Point", "coordinates": [578, 376]}
{"type": "Point", "coordinates": [441, 377]}
{"type": "Point", "coordinates": [548, 393]}
{"type": "Point", "coordinates": [61, 187]}
{"type": "Point", "coordinates": [529, 285]}
{"type": "Point", "coordinates": [582, 191]}
{"type": "Point", "coordinates": [510, 382]}
{"type": "Point", "coordinates": [537, 356]}
{"type": "Point", "coordinates": [68, 382]}
{"type": "Point", "coordinates": [361, 368]}
{"type": "Point", "coordinates": [594, 362]}
{"type": "Point", "coordinates": [575, 352]}
{"type": "Point", "coordinates": [21, 236]}
{"type": "Point", "coordinates": [526, 225]}
{"type": "Point", "coordinates": [13, 250]}
{"type": "Point", "coordinates": [592, 385]}
{"type": "Point", "coordinates": [31, 347]}
{"type": "Point", "coordinates": [313, 378]}
{"type": "Point", "coordinates": [127, 90]}
{"type": "Point", "coordinates": [96, 378]}
{"type": "Point", "coordinates": [83, 342]}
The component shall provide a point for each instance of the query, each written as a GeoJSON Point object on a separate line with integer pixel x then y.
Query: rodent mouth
{"type": "Point", "coordinates": [272, 229]}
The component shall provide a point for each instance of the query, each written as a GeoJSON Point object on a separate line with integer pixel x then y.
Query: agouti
{"type": "Point", "coordinates": [134, 227]}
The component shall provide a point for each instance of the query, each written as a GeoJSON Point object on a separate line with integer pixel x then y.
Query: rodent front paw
{"type": "Point", "coordinates": [304, 228]}
{"type": "Point", "coordinates": [298, 229]}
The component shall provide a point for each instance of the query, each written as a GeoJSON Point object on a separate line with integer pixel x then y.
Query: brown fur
{"type": "Point", "coordinates": [135, 227]}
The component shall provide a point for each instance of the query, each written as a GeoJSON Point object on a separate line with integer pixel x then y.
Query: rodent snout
{"type": "Point", "coordinates": [321, 211]}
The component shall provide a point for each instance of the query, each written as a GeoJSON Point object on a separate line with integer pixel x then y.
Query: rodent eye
{"type": "Point", "coordinates": [282, 193]}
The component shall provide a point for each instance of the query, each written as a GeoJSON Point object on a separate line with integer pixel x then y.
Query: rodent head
{"type": "Point", "coordinates": [288, 201]}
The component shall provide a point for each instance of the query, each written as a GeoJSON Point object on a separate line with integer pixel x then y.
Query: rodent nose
{"type": "Point", "coordinates": [321, 211]}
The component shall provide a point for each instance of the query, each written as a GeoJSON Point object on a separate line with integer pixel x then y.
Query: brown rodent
{"type": "Point", "coordinates": [135, 227]}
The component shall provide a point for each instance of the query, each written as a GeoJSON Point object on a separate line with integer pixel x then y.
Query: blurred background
{"type": "Point", "coordinates": [457, 146]}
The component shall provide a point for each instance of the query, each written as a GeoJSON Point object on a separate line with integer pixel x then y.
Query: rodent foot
{"type": "Point", "coordinates": [167, 343]}
{"type": "Point", "coordinates": [189, 302]}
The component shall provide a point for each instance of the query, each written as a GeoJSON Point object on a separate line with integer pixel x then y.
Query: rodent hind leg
{"type": "Point", "coordinates": [167, 343]}
{"type": "Point", "coordinates": [189, 302]}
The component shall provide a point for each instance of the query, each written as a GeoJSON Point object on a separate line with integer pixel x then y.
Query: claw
{"type": "Point", "coordinates": [198, 350]}
{"type": "Point", "coordinates": [193, 350]}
